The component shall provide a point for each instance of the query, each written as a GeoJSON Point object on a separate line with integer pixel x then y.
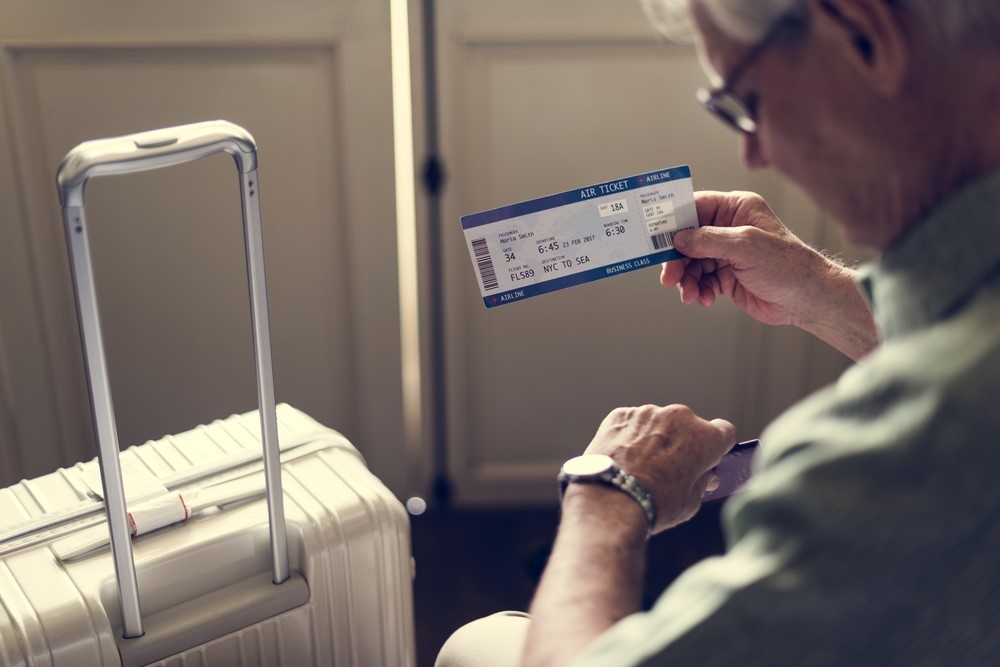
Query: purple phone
{"type": "Point", "coordinates": [734, 470]}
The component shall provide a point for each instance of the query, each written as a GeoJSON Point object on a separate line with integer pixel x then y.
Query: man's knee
{"type": "Point", "coordinates": [493, 641]}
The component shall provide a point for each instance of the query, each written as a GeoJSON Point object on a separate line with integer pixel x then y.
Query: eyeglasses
{"type": "Point", "coordinates": [723, 101]}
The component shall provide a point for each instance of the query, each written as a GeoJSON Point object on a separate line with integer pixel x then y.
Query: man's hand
{"type": "Point", "coordinates": [743, 251]}
{"type": "Point", "coordinates": [594, 576]}
{"type": "Point", "coordinates": [670, 450]}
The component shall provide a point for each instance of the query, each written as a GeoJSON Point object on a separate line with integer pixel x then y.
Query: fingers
{"type": "Point", "coordinates": [728, 434]}
{"type": "Point", "coordinates": [732, 209]}
{"type": "Point", "coordinates": [695, 279]}
{"type": "Point", "coordinates": [672, 452]}
{"type": "Point", "coordinates": [690, 284]}
{"type": "Point", "coordinates": [714, 243]}
{"type": "Point", "coordinates": [672, 272]}
{"type": "Point", "coordinates": [723, 217]}
{"type": "Point", "coordinates": [718, 241]}
{"type": "Point", "coordinates": [710, 249]}
{"type": "Point", "coordinates": [709, 288]}
{"type": "Point", "coordinates": [707, 483]}
{"type": "Point", "coordinates": [652, 428]}
{"type": "Point", "coordinates": [711, 206]}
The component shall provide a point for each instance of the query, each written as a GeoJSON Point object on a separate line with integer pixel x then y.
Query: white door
{"type": "Point", "coordinates": [534, 98]}
{"type": "Point", "coordinates": [310, 79]}
{"type": "Point", "coordinates": [543, 97]}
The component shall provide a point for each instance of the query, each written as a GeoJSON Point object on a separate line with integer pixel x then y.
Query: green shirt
{"type": "Point", "coordinates": [871, 534]}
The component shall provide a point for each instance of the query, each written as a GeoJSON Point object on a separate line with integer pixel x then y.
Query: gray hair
{"type": "Point", "coordinates": [952, 21]}
{"type": "Point", "coordinates": [743, 21]}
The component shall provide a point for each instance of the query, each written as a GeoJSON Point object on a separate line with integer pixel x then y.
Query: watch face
{"type": "Point", "coordinates": [588, 465]}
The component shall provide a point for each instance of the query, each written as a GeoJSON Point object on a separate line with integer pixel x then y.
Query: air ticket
{"type": "Point", "coordinates": [574, 237]}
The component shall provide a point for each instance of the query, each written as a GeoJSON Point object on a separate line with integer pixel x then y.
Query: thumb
{"type": "Point", "coordinates": [711, 242]}
{"type": "Point", "coordinates": [727, 437]}
{"type": "Point", "coordinates": [726, 430]}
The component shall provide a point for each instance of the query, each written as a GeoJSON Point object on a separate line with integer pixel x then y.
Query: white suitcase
{"type": "Point", "coordinates": [217, 573]}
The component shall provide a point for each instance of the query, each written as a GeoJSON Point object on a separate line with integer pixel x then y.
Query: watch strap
{"type": "Point", "coordinates": [624, 482]}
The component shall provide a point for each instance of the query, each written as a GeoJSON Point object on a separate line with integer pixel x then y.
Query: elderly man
{"type": "Point", "coordinates": [872, 533]}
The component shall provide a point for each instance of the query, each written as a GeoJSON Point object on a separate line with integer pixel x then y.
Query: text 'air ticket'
{"type": "Point", "coordinates": [547, 244]}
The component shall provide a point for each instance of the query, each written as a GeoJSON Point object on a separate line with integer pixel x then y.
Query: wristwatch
{"type": "Point", "coordinates": [601, 469]}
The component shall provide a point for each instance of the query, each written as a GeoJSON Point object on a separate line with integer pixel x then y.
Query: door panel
{"type": "Point", "coordinates": [311, 81]}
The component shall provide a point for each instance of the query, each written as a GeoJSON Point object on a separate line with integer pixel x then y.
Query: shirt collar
{"type": "Point", "coordinates": [939, 262]}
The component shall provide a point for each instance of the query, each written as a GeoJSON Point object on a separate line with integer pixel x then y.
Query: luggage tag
{"type": "Point", "coordinates": [167, 507]}
{"type": "Point", "coordinates": [574, 237]}
{"type": "Point", "coordinates": [164, 510]}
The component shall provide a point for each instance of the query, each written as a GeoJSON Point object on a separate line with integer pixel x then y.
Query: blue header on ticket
{"type": "Point", "coordinates": [574, 196]}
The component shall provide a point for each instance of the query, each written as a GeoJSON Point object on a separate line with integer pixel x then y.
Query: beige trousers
{"type": "Point", "coordinates": [493, 641]}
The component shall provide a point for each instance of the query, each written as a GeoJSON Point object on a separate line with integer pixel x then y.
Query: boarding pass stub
{"type": "Point", "coordinates": [566, 239]}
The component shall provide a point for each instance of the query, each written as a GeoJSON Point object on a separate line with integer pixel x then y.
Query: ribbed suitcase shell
{"type": "Point", "coordinates": [348, 536]}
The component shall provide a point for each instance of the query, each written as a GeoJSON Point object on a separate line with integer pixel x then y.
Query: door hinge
{"type": "Point", "coordinates": [434, 176]}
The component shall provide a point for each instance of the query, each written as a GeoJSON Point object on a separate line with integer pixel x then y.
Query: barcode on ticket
{"type": "Point", "coordinates": [484, 262]}
{"type": "Point", "coordinates": [664, 240]}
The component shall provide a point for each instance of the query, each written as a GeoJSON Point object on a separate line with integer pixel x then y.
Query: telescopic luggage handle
{"type": "Point", "coordinates": [141, 152]}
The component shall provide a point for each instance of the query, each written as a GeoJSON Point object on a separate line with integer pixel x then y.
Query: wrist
{"type": "Point", "coordinates": [836, 312]}
{"type": "Point", "coordinates": [606, 512]}
{"type": "Point", "coordinates": [601, 470]}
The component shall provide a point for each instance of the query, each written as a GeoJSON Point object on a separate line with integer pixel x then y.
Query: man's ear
{"type": "Point", "coordinates": [872, 37]}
